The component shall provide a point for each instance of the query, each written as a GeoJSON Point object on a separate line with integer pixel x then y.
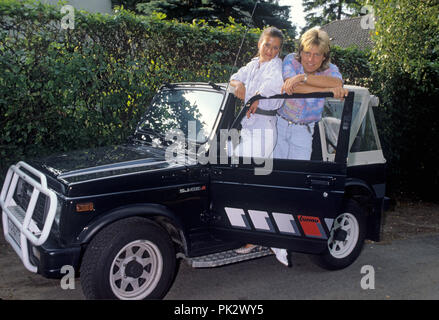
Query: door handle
{"type": "Point", "coordinates": [319, 181]}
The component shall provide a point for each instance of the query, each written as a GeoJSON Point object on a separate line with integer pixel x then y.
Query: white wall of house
{"type": "Point", "coordinates": [102, 6]}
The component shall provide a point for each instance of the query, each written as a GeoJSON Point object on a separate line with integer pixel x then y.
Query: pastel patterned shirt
{"type": "Point", "coordinates": [303, 110]}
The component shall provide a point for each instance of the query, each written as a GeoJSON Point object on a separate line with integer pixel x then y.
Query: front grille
{"type": "Point", "coordinates": [41, 209]}
{"type": "Point", "coordinates": [23, 193]}
{"type": "Point", "coordinates": [22, 196]}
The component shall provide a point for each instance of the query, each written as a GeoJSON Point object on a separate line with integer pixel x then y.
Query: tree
{"type": "Point", "coordinates": [215, 12]}
{"type": "Point", "coordinates": [328, 10]}
{"type": "Point", "coordinates": [127, 4]}
{"type": "Point", "coordinates": [405, 63]}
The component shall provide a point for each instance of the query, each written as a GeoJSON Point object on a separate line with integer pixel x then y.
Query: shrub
{"type": "Point", "coordinates": [405, 64]}
{"type": "Point", "coordinates": [353, 64]}
{"type": "Point", "coordinates": [69, 89]}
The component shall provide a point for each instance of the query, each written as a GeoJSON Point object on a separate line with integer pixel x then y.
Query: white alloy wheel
{"type": "Point", "coordinates": [348, 225]}
{"type": "Point", "coordinates": [136, 270]}
{"type": "Point", "coordinates": [346, 238]}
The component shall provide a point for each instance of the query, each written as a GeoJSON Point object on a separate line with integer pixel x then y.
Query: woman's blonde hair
{"type": "Point", "coordinates": [319, 38]}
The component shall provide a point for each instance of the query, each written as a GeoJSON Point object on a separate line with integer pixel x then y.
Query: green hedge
{"type": "Point", "coordinates": [69, 89]}
{"type": "Point", "coordinates": [405, 65]}
{"type": "Point", "coordinates": [353, 64]}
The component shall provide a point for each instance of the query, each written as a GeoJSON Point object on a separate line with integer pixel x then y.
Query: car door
{"type": "Point", "coordinates": [293, 205]}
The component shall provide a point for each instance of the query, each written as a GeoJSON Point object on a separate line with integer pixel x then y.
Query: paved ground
{"type": "Point", "coordinates": [403, 269]}
{"type": "Point", "coordinates": [405, 265]}
{"type": "Point", "coordinates": [406, 269]}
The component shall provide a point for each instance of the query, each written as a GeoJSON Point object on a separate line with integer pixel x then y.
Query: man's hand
{"type": "Point", "coordinates": [339, 92]}
{"type": "Point", "coordinates": [291, 83]}
{"type": "Point", "coordinates": [252, 108]}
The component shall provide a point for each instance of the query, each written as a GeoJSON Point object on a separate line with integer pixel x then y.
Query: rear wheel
{"type": "Point", "coordinates": [130, 259]}
{"type": "Point", "coordinates": [346, 238]}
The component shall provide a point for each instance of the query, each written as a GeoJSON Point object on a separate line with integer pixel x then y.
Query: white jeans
{"type": "Point", "coordinates": [293, 141]}
{"type": "Point", "coordinates": [258, 137]}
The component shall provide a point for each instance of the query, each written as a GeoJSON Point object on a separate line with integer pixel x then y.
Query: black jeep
{"type": "Point", "coordinates": [124, 215]}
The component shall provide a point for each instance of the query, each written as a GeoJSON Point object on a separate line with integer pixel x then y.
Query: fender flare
{"type": "Point", "coordinates": [146, 210]}
{"type": "Point", "coordinates": [351, 183]}
{"type": "Point", "coordinates": [374, 217]}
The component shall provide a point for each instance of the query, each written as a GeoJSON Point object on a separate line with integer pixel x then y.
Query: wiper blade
{"type": "Point", "coordinates": [151, 131]}
{"type": "Point", "coordinates": [162, 138]}
{"type": "Point", "coordinates": [215, 86]}
{"type": "Point", "coordinates": [150, 136]}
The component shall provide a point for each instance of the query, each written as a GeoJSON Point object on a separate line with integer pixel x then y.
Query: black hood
{"type": "Point", "coordinates": [103, 162]}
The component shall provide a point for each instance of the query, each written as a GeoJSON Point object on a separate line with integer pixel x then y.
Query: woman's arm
{"type": "Point", "coordinates": [239, 89]}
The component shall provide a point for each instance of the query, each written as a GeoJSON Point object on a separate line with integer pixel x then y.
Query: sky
{"type": "Point", "coordinates": [297, 16]}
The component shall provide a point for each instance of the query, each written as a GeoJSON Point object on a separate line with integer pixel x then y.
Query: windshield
{"type": "Point", "coordinates": [189, 110]}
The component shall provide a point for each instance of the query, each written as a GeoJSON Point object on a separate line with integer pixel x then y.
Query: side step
{"type": "Point", "coordinates": [226, 257]}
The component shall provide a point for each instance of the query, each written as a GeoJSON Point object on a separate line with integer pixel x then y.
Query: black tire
{"type": "Point", "coordinates": [145, 264]}
{"type": "Point", "coordinates": [340, 254]}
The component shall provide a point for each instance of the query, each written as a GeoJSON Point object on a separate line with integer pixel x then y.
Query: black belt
{"type": "Point", "coordinates": [297, 123]}
{"type": "Point", "coordinates": [237, 122]}
{"type": "Point", "coordinates": [266, 112]}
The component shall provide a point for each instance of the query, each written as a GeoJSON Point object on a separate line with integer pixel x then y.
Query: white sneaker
{"type": "Point", "coordinates": [282, 256]}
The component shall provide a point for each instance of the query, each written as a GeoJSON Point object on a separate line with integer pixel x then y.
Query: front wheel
{"type": "Point", "coordinates": [131, 259]}
{"type": "Point", "coordinates": [346, 238]}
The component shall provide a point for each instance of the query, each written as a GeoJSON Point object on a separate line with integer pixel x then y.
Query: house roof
{"type": "Point", "coordinates": [349, 32]}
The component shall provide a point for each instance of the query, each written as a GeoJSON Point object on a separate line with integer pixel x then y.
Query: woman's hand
{"type": "Point", "coordinates": [239, 89]}
{"type": "Point", "coordinates": [252, 108]}
{"type": "Point", "coordinates": [291, 83]}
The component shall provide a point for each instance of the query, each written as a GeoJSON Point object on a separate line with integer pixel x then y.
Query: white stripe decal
{"type": "Point", "coordinates": [237, 217]}
{"type": "Point", "coordinates": [285, 222]}
{"type": "Point", "coordinates": [261, 220]}
{"type": "Point", "coordinates": [329, 223]}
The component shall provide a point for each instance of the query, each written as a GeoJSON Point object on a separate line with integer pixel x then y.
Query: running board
{"type": "Point", "coordinates": [226, 257]}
